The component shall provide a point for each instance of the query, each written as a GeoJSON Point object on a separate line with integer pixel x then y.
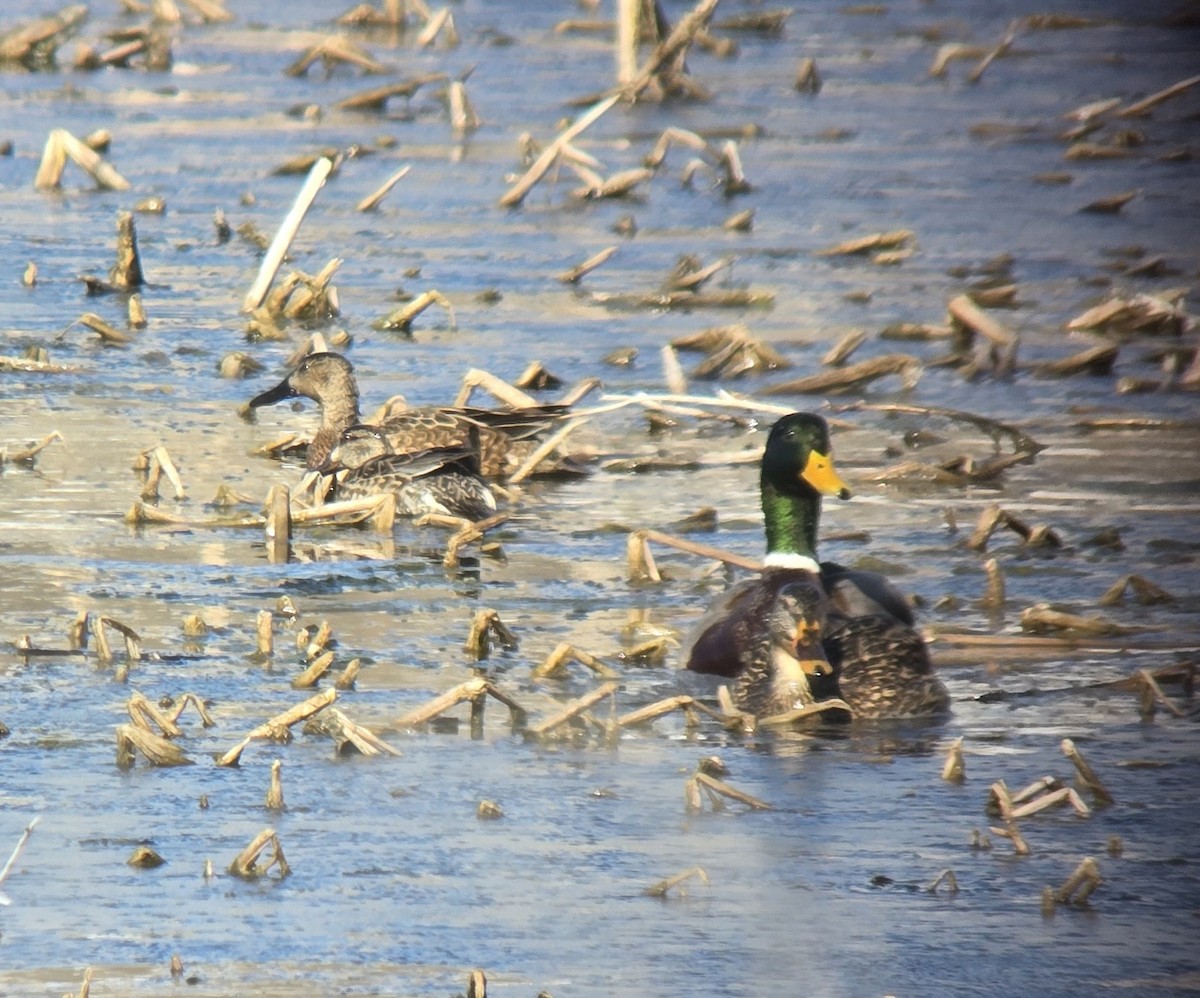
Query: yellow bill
{"type": "Point", "coordinates": [819, 472]}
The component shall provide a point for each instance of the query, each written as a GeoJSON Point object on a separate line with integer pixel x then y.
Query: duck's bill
{"type": "Point", "coordinates": [272, 395]}
{"type": "Point", "coordinates": [815, 666]}
{"type": "Point", "coordinates": [819, 472]}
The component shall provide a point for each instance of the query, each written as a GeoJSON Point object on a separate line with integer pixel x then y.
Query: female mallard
{"type": "Point", "coordinates": [328, 379]}
{"type": "Point", "coordinates": [432, 474]}
{"type": "Point", "coordinates": [879, 663]}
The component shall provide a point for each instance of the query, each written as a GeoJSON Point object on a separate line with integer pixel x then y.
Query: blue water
{"type": "Point", "coordinates": [396, 887]}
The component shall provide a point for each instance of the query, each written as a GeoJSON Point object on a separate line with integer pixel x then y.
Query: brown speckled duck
{"type": "Point", "coordinates": [873, 657]}
{"type": "Point", "coordinates": [429, 463]}
{"type": "Point", "coordinates": [328, 379]}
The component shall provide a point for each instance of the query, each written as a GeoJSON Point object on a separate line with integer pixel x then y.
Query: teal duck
{"type": "Point", "coordinates": [432, 475]}
{"type": "Point", "coordinates": [873, 658]}
{"type": "Point", "coordinates": [505, 436]}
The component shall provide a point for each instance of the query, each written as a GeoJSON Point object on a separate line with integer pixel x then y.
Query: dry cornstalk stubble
{"type": "Point", "coordinates": [278, 728]}
{"type": "Point", "coordinates": [34, 44]}
{"type": "Point", "coordinates": [246, 865]}
{"type": "Point", "coordinates": [62, 145]}
{"type": "Point", "coordinates": [485, 626]}
{"type": "Point", "coordinates": [474, 691]}
{"type": "Point", "coordinates": [348, 736]}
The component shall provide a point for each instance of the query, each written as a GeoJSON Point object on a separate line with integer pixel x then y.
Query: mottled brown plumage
{"type": "Point", "coordinates": [437, 480]}
{"type": "Point", "coordinates": [765, 634]}
{"type": "Point", "coordinates": [425, 475]}
{"type": "Point", "coordinates": [504, 436]}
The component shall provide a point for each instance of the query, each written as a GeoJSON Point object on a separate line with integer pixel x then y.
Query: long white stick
{"type": "Point", "coordinates": [15, 853]}
{"type": "Point", "coordinates": [287, 232]}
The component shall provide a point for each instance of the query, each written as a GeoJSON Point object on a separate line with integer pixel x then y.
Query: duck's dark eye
{"type": "Point", "coordinates": [790, 434]}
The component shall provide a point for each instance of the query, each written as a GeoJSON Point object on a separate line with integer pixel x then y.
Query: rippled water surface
{"type": "Point", "coordinates": [396, 887]}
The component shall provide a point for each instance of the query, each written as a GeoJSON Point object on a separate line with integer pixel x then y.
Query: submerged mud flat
{"type": "Point", "coordinates": [396, 886]}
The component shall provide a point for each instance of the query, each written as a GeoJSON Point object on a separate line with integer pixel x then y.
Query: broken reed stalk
{"type": "Point", "coordinates": [1001, 48]}
{"type": "Point", "coordinates": [1155, 693]}
{"type": "Point", "coordinates": [790, 717]}
{"type": "Point", "coordinates": [543, 451]}
{"type": "Point", "coordinates": [469, 534]}
{"type": "Point", "coordinates": [573, 709]}
{"type": "Point", "coordinates": [968, 315]}
{"type": "Point", "coordinates": [1144, 105]}
{"type": "Point", "coordinates": [26, 455]}
{"type": "Point", "coordinates": [349, 675]}
{"type": "Point", "coordinates": [516, 194]}
{"type": "Point", "coordinates": [346, 732]}
{"type": "Point", "coordinates": [1063, 795]}
{"type": "Point", "coordinates": [147, 716]}
{"type": "Point", "coordinates": [661, 888]}
{"type": "Point", "coordinates": [1087, 776]}
{"type": "Point", "coordinates": [474, 690]}
{"type": "Point", "coordinates": [15, 854]}
{"type": "Point", "coordinates": [401, 319]}
{"type": "Point", "coordinates": [126, 273]}
{"type": "Point", "coordinates": [556, 662]}
{"type": "Point", "coordinates": [274, 798]}
{"type": "Point", "coordinates": [277, 727]}
{"type": "Point", "coordinates": [946, 877]}
{"type": "Point", "coordinates": [1078, 887]}
{"type": "Point", "coordinates": [278, 529]}
{"type": "Point", "coordinates": [628, 23]}
{"type": "Point", "coordinates": [31, 39]}
{"type": "Point", "coordinates": [844, 379]}
{"type": "Point", "coordinates": [840, 352]}
{"type": "Point", "coordinates": [108, 334]}
{"type": "Point", "coordinates": [245, 864]}
{"type": "Point", "coordinates": [378, 510]}
{"type": "Point", "coordinates": [1144, 591]}
{"type": "Point", "coordinates": [689, 706]}
{"type": "Point", "coordinates": [673, 376]}
{"type": "Point", "coordinates": [264, 635]}
{"type": "Point", "coordinates": [670, 48]}
{"type": "Point", "coordinates": [201, 709]}
{"type": "Point", "coordinates": [60, 145]}
{"type": "Point", "coordinates": [954, 770]}
{"type": "Point", "coordinates": [372, 201]}
{"type": "Point", "coordinates": [694, 547]}
{"type": "Point", "coordinates": [1010, 830]}
{"type": "Point", "coordinates": [581, 270]}
{"type": "Point", "coordinates": [312, 675]}
{"type": "Point", "coordinates": [484, 624]}
{"type": "Point", "coordinates": [158, 751]}
{"type": "Point", "coordinates": [498, 388]}
{"type": "Point", "coordinates": [993, 597]}
{"type": "Point", "coordinates": [463, 117]}
{"type": "Point", "coordinates": [287, 232]}
{"type": "Point", "coordinates": [714, 786]}
{"type": "Point", "coordinates": [160, 463]}
{"type": "Point", "coordinates": [1036, 787]}
{"type": "Point", "coordinates": [1021, 441]}
{"type": "Point", "coordinates": [865, 244]}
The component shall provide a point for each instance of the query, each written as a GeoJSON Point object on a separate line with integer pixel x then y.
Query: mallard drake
{"type": "Point", "coordinates": [328, 379]}
{"type": "Point", "coordinates": [359, 459]}
{"type": "Point", "coordinates": [877, 662]}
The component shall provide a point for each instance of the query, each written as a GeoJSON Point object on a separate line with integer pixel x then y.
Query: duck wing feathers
{"type": "Point", "coordinates": [882, 663]}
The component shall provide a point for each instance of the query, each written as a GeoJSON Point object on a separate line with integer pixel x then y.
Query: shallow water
{"type": "Point", "coordinates": [397, 888]}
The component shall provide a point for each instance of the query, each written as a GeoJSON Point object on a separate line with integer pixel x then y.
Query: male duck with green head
{"type": "Point", "coordinates": [807, 630]}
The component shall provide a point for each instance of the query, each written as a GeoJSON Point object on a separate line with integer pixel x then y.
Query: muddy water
{"type": "Point", "coordinates": [397, 888]}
